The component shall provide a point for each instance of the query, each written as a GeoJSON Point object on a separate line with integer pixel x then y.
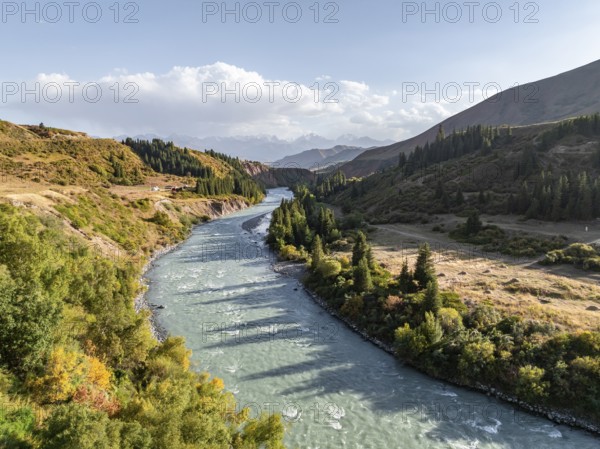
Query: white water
{"type": "Point", "coordinates": [280, 352]}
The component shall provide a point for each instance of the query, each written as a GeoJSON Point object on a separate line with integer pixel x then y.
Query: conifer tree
{"type": "Point", "coordinates": [317, 253]}
{"type": "Point", "coordinates": [473, 224]}
{"type": "Point", "coordinates": [405, 281]}
{"type": "Point", "coordinates": [424, 268]}
{"type": "Point", "coordinates": [362, 277]}
{"type": "Point", "coordinates": [361, 250]}
{"type": "Point", "coordinates": [432, 301]}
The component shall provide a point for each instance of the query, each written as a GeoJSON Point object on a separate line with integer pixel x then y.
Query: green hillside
{"type": "Point", "coordinates": [547, 172]}
{"type": "Point", "coordinates": [79, 367]}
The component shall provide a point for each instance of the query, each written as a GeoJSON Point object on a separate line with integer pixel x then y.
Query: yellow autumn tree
{"type": "Point", "coordinates": [65, 371]}
{"type": "Point", "coordinates": [97, 373]}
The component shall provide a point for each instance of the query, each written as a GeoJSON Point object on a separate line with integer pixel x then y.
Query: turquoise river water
{"type": "Point", "coordinates": [279, 351]}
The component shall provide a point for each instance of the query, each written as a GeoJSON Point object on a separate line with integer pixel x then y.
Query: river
{"type": "Point", "coordinates": [278, 351]}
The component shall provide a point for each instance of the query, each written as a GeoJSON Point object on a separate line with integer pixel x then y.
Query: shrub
{"type": "Point", "coordinates": [161, 219]}
{"type": "Point", "coordinates": [592, 264]}
{"type": "Point", "coordinates": [530, 385]}
{"type": "Point", "coordinates": [289, 252]}
{"type": "Point", "coordinates": [450, 320]}
{"type": "Point", "coordinates": [329, 268]}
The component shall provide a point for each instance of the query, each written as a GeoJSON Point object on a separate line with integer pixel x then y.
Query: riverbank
{"type": "Point", "coordinates": [141, 303]}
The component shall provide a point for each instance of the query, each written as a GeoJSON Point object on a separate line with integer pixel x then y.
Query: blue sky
{"type": "Point", "coordinates": [370, 55]}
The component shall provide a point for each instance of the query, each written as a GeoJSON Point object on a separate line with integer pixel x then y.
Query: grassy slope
{"type": "Point", "coordinates": [390, 197]}
{"type": "Point", "coordinates": [70, 175]}
{"type": "Point", "coordinates": [67, 181]}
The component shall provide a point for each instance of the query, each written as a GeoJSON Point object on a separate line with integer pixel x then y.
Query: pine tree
{"type": "Point", "coordinates": [534, 209]}
{"type": "Point", "coordinates": [432, 301]}
{"type": "Point", "coordinates": [362, 277]}
{"type": "Point", "coordinates": [473, 224]}
{"type": "Point", "coordinates": [361, 249]}
{"type": "Point", "coordinates": [523, 200]}
{"type": "Point", "coordinates": [424, 268]}
{"type": "Point", "coordinates": [584, 206]}
{"type": "Point", "coordinates": [405, 281]}
{"type": "Point", "coordinates": [317, 253]}
{"type": "Point", "coordinates": [445, 201]}
{"type": "Point", "coordinates": [402, 160]}
{"type": "Point", "coordinates": [431, 329]}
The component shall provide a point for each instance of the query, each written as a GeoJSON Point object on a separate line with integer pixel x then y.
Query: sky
{"type": "Point", "coordinates": [386, 69]}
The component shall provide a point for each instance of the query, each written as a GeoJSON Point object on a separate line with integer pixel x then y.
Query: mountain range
{"type": "Point", "coordinates": [264, 148]}
{"type": "Point", "coordinates": [569, 94]}
{"type": "Point", "coordinates": [317, 159]}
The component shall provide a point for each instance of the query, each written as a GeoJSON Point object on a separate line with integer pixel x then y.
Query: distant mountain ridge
{"type": "Point", "coordinates": [569, 94]}
{"type": "Point", "coordinates": [263, 148]}
{"type": "Point", "coordinates": [317, 159]}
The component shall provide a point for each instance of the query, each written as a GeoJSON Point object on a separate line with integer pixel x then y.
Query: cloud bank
{"type": "Point", "coordinates": [219, 99]}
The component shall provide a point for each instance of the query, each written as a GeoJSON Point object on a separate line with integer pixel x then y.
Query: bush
{"type": "Point", "coordinates": [28, 318]}
{"type": "Point", "coordinates": [289, 252]}
{"type": "Point", "coordinates": [16, 427]}
{"type": "Point", "coordinates": [161, 219]}
{"type": "Point", "coordinates": [592, 264]}
{"type": "Point", "coordinates": [450, 320]}
{"type": "Point", "coordinates": [530, 385]}
{"type": "Point", "coordinates": [329, 268]}
{"type": "Point", "coordinates": [76, 427]}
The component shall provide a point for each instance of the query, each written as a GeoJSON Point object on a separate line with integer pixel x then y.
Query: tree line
{"type": "Point", "coordinates": [458, 144]}
{"type": "Point", "coordinates": [165, 157]}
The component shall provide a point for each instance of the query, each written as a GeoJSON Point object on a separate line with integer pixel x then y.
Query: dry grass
{"type": "Point", "coordinates": [522, 288]}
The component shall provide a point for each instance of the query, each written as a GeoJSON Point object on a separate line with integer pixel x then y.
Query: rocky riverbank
{"type": "Point", "coordinates": [141, 301]}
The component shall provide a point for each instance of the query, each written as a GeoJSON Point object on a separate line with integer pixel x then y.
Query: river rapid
{"type": "Point", "coordinates": [279, 351]}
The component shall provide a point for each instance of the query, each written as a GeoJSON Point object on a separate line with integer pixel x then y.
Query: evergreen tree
{"type": "Point", "coordinates": [402, 160]}
{"type": "Point", "coordinates": [405, 281]}
{"type": "Point", "coordinates": [431, 329]}
{"type": "Point", "coordinates": [445, 201]}
{"type": "Point", "coordinates": [362, 277]}
{"type": "Point", "coordinates": [584, 206]}
{"type": "Point", "coordinates": [432, 301]}
{"type": "Point", "coordinates": [440, 134]}
{"type": "Point", "coordinates": [424, 268]}
{"type": "Point", "coordinates": [473, 224]}
{"type": "Point", "coordinates": [317, 253]}
{"type": "Point", "coordinates": [361, 250]}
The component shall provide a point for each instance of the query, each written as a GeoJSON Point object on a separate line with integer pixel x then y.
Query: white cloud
{"type": "Point", "coordinates": [219, 99]}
